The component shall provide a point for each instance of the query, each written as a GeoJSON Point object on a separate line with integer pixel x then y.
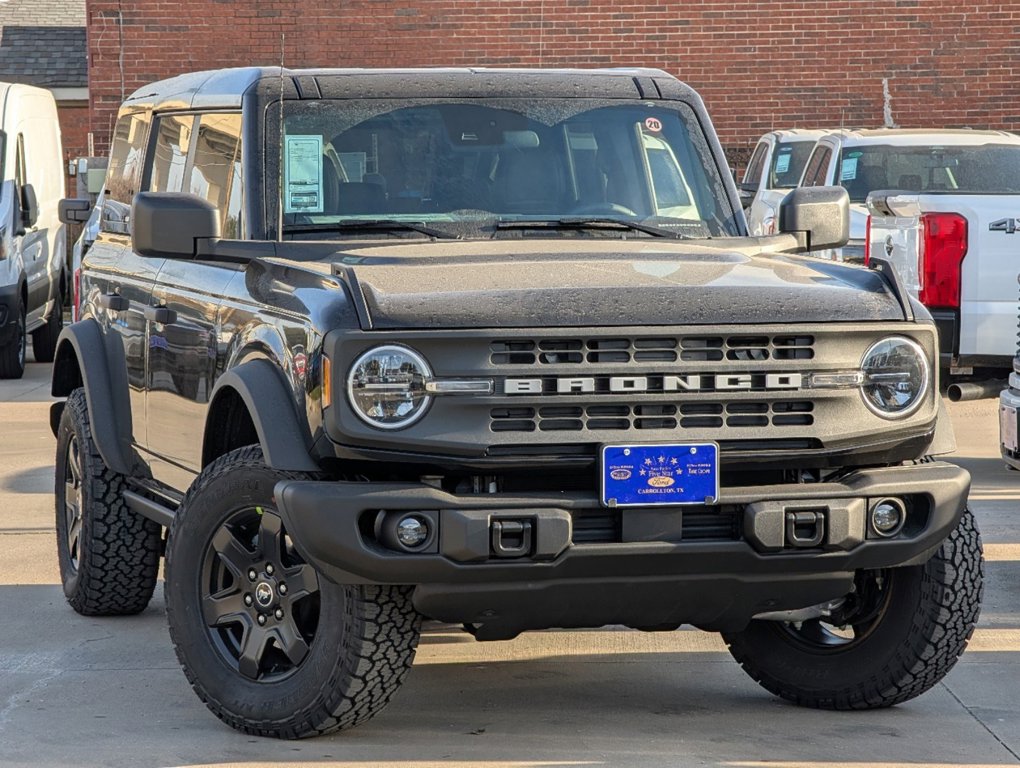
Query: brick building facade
{"type": "Point", "coordinates": [758, 64]}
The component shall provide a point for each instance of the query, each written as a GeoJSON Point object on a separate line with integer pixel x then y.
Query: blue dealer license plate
{"type": "Point", "coordinates": [649, 475]}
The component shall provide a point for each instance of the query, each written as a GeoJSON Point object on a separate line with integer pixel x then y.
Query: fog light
{"type": "Point", "coordinates": [887, 517]}
{"type": "Point", "coordinates": [412, 532]}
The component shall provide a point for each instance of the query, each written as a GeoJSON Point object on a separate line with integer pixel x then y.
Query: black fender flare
{"type": "Point", "coordinates": [81, 360]}
{"type": "Point", "coordinates": [284, 436]}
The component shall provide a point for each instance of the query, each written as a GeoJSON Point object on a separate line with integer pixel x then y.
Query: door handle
{"type": "Point", "coordinates": [160, 315]}
{"type": "Point", "coordinates": [114, 302]}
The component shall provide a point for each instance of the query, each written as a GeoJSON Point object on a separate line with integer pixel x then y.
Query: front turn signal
{"type": "Point", "coordinates": [327, 382]}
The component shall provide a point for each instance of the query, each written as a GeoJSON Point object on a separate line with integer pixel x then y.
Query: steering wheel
{"type": "Point", "coordinates": [598, 209]}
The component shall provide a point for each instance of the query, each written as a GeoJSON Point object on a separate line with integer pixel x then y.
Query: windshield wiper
{"type": "Point", "coordinates": [372, 225]}
{"type": "Point", "coordinates": [587, 222]}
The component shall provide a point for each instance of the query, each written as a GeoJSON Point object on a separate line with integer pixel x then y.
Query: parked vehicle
{"type": "Point", "coordinates": [492, 348]}
{"type": "Point", "coordinates": [952, 239]}
{"type": "Point", "coordinates": [774, 169]}
{"type": "Point", "coordinates": [33, 279]}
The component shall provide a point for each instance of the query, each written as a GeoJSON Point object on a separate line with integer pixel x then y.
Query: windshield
{"type": "Point", "coordinates": [788, 163]}
{"type": "Point", "coordinates": [985, 169]}
{"type": "Point", "coordinates": [470, 165]}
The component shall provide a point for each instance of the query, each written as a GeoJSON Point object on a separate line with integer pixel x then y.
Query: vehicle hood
{"type": "Point", "coordinates": [572, 283]}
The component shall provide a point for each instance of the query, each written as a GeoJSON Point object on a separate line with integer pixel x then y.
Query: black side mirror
{"type": "Point", "coordinates": [166, 225]}
{"type": "Point", "coordinates": [74, 210]}
{"type": "Point", "coordinates": [818, 216]}
{"type": "Point", "coordinates": [29, 206]}
{"type": "Point", "coordinates": [747, 193]}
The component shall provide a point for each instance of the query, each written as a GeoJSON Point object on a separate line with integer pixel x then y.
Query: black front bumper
{"type": "Point", "coordinates": [657, 582]}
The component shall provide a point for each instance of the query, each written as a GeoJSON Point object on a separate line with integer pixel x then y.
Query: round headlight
{"type": "Point", "coordinates": [896, 377]}
{"type": "Point", "coordinates": [386, 387]}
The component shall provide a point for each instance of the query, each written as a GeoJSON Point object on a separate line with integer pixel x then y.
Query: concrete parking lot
{"type": "Point", "coordinates": [78, 691]}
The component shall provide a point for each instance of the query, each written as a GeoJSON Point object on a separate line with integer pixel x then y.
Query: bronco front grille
{"type": "Point", "coordinates": [614, 416]}
{"type": "Point", "coordinates": [663, 349]}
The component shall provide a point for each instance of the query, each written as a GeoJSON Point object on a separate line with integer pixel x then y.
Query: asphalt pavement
{"type": "Point", "coordinates": [78, 691]}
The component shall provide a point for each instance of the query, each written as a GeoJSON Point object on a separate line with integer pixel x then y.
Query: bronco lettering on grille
{"type": "Point", "coordinates": [568, 385]}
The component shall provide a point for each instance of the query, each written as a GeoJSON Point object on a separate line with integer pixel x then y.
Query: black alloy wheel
{"type": "Point", "coordinates": [260, 601]}
{"type": "Point", "coordinates": [849, 625]}
{"type": "Point", "coordinates": [897, 633]}
{"type": "Point", "coordinates": [271, 646]}
{"type": "Point", "coordinates": [73, 500]}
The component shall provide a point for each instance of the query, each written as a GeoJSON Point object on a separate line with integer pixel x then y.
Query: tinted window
{"type": "Point", "coordinates": [216, 170]}
{"type": "Point", "coordinates": [123, 173]}
{"type": "Point", "coordinates": [788, 163]}
{"type": "Point", "coordinates": [170, 152]}
{"type": "Point", "coordinates": [987, 169]}
{"type": "Point", "coordinates": [817, 167]}
{"type": "Point", "coordinates": [756, 165]}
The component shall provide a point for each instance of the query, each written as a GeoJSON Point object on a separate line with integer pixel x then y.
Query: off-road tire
{"type": "Point", "coordinates": [12, 354]}
{"type": "Point", "coordinates": [930, 616]}
{"type": "Point", "coordinates": [117, 554]}
{"type": "Point", "coordinates": [363, 646]}
{"type": "Point", "coordinates": [44, 340]}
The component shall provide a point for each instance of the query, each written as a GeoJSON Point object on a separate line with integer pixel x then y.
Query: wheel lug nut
{"type": "Point", "coordinates": [262, 620]}
{"type": "Point", "coordinates": [247, 600]}
{"type": "Point", "coordinates": [279, 613]}
{"type": "Point", "coordinates": [252, 575]}
{"type": "Point", "coordinates": [283, 589]}
{"type": "Point", "coordinates": [269, 568]}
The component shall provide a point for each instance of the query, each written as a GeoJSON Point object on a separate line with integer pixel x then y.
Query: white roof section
{"type": "Point", "coordinates": [920, 137]}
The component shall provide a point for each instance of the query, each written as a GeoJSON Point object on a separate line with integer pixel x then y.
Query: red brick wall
{"type": "Point", "coordinates": [74, 135]}
{"type": "Point", "coordinates": [758, 64]}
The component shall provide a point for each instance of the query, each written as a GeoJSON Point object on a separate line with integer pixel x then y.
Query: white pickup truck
{"type": "Point", "coordinates": [774, 169]}
{"type": "Point", "coordinates": [954, 238]}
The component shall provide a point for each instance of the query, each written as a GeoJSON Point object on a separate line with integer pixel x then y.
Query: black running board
{"type": "Point", "coordinates": [153, 510]}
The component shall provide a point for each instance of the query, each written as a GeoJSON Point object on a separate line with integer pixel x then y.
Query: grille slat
{"type": "Point", "coordinates": [654, 416]}
{"type": "Point", "coordinates": [603, 351]}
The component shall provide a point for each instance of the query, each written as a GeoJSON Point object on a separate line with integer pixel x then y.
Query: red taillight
{"type": "Point", "coordinates": [867, 242]}
{"type": "Point", "coordinates": [76, 306]}
{"type": "Point", "coordinates": [943, 246]}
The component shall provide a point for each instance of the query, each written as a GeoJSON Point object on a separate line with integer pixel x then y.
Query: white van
{"type": "Point", "coordinates": [33, 278]}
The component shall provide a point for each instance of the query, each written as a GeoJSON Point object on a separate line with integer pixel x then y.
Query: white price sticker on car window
{"type": "Point", "coordinates": [782, 164]}
{"type": "Point", "coordinates": [302, 175]}
{"type": "Point", "coordinates": [848, 171]}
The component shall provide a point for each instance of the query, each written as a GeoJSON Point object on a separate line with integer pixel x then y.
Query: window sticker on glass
{"type": "Point", "coordinates": [303, 175]}
{"type": "Point", "coordinates": [848, 171]}
{"type": "Point", "coordinates": [783, 163]}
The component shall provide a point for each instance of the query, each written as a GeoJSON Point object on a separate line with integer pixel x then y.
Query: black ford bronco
{"type": "Point", "coordinates": [361, 348]}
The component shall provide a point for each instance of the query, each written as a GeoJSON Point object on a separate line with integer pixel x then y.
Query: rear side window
{"type": "Point", "coordinates": [817, 167]}
{"type": "Point", "coordinates": [170, 152]}
{"type": "Point", "coordinates": [215, 172]}
{"type": "Point", "coordinates": [123, 174]}
{"type": "Point", "coordinates": [757, 164]}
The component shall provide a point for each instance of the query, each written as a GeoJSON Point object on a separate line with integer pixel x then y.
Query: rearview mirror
{"type": "Point", "coordinates": [29, 206]}
{"type": "Point", "coordinates": [165, 225]}
{"type": "Point", "coordinates": [818, 216]}
{"type": "Point", "coordinates": [74, 210]}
